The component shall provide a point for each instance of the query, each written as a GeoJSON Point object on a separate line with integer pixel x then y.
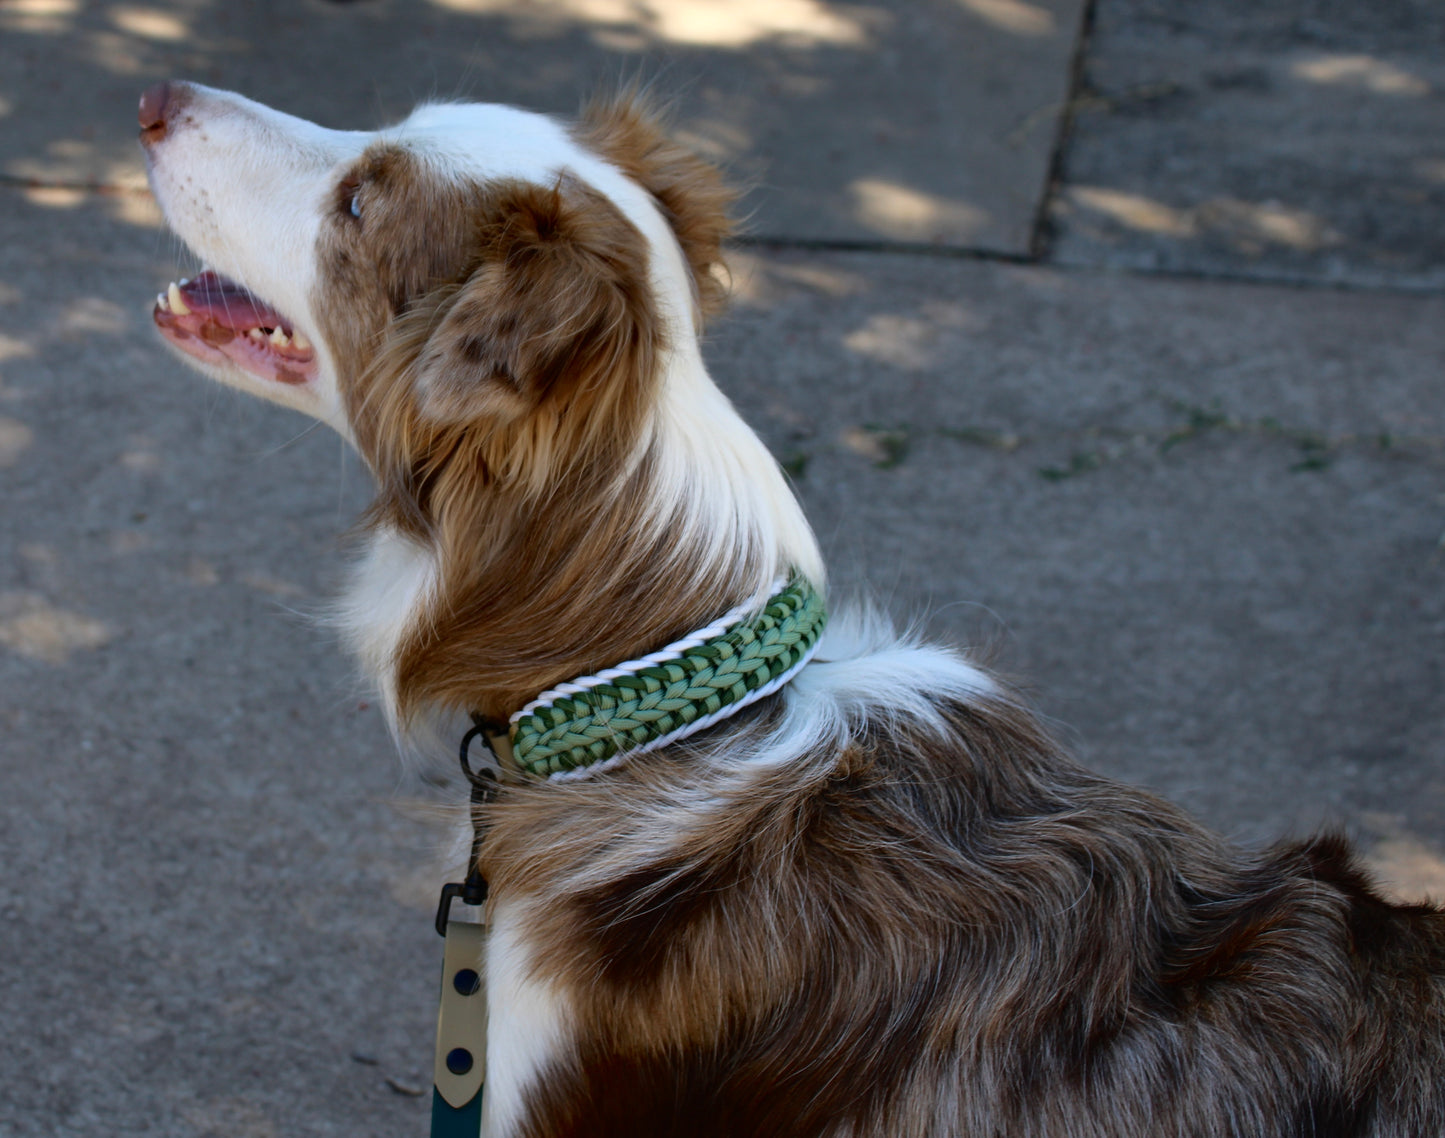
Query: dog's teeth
{"type": "Point", "coordinates": [178, 305]}
{"type": "Point", "coordinates": [300, 342]}
{"type": "Point", "coordinates": [162, 303]}
{"type": "Point", "coordinates": [184, 281]}
{"type": "Point", "coordinates": [256, 334]}
{"type": "Point", "coordinates": [279, 337]}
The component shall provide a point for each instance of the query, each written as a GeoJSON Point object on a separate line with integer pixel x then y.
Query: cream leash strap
{"type": "Point", "coordinates": [461, 1051]}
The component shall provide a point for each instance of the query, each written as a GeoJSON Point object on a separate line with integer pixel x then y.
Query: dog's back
{"type": "Point", "coordinates": [937, 924]}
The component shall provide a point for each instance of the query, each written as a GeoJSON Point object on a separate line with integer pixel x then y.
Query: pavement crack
{"type": "Point", "coordinates": [1040, 227]}
{"type": "Point", "coordinates": [110, 189]}
{"type": "Point", "coordinates": [769, 242]}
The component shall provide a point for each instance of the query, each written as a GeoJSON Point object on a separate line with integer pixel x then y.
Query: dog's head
{"type": "Point", "coordinates": [476, 267]}
{"type": "Point", "coordinates": [502, 312]}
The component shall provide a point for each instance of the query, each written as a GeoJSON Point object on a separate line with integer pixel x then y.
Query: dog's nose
{"type": "Point", "coordinates": [153, 106]}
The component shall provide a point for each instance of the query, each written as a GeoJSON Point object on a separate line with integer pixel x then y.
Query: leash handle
{"type": "Point", "coordinates": [459, 1069]}
{"type": "Point", "coordinates": [461, 1051]}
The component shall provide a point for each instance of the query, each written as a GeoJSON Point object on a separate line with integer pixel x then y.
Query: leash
{"type": "Point", "coordinates": [459, 1069]}
{"type": "Point", "coordinates": [575, 730]}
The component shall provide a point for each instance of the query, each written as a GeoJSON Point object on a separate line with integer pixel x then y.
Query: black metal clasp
{"type": "Point", "coordinates": [483, 780]}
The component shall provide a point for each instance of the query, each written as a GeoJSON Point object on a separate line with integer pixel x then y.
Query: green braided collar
{"type": "Point", "coordinates": [578, 727]}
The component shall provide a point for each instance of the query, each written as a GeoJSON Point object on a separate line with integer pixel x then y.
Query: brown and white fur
{"type": "Point", "coordinates": [878, 903]}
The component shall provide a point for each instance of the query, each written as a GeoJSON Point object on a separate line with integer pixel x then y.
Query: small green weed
{"type": "Point", "coordinates": [1081, 462]}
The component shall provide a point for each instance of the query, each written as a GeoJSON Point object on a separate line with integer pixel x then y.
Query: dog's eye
{"type": "Point", "coordinates": [348, 197]}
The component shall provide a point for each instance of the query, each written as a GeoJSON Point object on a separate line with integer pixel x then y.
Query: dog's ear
{"type": "Point", "coordinates": [558, 306]}
{"type": "Point", "coordinates": [628, 131]}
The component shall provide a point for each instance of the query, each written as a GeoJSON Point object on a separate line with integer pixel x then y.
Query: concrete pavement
{"type": "Point", "coordinates": [843, 115]}
{"type": "Point", "coordinates": [1200, 514]}
{"type": "Point", "coordinates": [1270, 139]}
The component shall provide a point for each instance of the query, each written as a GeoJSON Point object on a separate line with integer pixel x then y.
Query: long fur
{"type": "Point", "coordinates": [881, 902]}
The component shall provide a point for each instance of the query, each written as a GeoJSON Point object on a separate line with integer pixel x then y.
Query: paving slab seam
{"type": "Point", "coordinates": [765, 243]}
{"type": "Point", "coordinates": [1257, 280]}
{"type": "Point", "coordinates": [1041, 226]}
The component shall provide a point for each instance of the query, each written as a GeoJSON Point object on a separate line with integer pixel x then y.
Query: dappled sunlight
{"type": "Point", "coordinates": [150, 23]}
{"type": "Point", "coordinates": [755, 281]}
{"type": "Point", "coordinates": [71, 148]}
{"type": "Point", "coordinates": [1431, 168]}
{"type": "Point", "coordinates": [12, 348]}
{"type": "Point", "coordinates": [884, 447]}
{"type": "Point", "coordinates": [42, 17]}
{"type": "Point", "coordinates": [87, 315]}
{"type": "Point", "coordinates": [141, 461]}
{"type": "Point", "coordinates": [1134, 210]}
{"type": "Point", "coordinates": [714, 139]}
{"type": "Point", "coordinates": [134, 208]}
{"type": "Point", "coordinates": [15, 440]}
{"type": "Point", "coordinates": [140, 455]}
{"type": "Point", "coordinates": [1250, 227]}
{"type": "Point", "coordinates": [55, 197]}
{"type": "Point", "coordinates": [127, 542]}
{"type": "Point", "coordinates": [702, 23]}
{"type": "Point", "coordinates": [1408, 866]}
{"type": "Point", "coordinates": [199, 571]}
{"type": "Point", "coordinates": [1362, 71]}
{"type": "Point", "coordinates": [39, 554]}
{"type": "Point", "coordinates": [415, 887]}
{"type": "Point", "coordinates": [910, 215]}
{"type": "Point", "coordinates": [747, 277]}
{"type": "Point", "coordinates": [33, 627]}
{"type": "Point", "coordinates": [1013, 16]}
{"type": "Point", "coordinates": [910, 342]}
{"type": "Point", "coordinates": [623, 40]}
{"type": "Point", "coordinates": [1251, 224]}
{"type": "Point", "coordinates": [899, 341]}
{"type": "Point", "coordinates": [128, 176]}
{"type": "Point", "coordinates": [119, 54]}
{"type": "Point", "coordinates": [829, 281]}
{"type": "Point", "coordinates": [72, 162]}
{"type": "Point", "coordinates": [271, 586]}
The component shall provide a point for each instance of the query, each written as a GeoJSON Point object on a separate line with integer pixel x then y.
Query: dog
{"type": "Point", "coordinates": [876, 901]}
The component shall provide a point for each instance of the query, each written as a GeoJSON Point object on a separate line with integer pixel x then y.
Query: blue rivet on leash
{"type": "Point", "coordinates": [466, 982]}
{"type": "Point", "coordinates": [459, 1060]}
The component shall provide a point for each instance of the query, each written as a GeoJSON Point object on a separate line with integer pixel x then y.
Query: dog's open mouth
{"type": "Point", "coordinates": [212, 317]}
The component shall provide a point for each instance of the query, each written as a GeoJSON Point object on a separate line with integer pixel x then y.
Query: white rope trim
{"type": "Point", "coordinates": [661, 656]}
{"type": "Point", "coordinates": [696, 725]}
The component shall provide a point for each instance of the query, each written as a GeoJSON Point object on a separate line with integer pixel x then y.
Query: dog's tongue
{"type": "Point", "coordinates": [227, 303]}
{"type": "Point", "coordinates": [213, 317]}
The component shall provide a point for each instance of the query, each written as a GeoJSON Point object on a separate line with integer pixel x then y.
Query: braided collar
{"type": "Point", "coordinates": [594, 722]}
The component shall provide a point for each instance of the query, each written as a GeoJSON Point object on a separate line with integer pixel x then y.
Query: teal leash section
{"type": "Point", "coordinates": [668, 700]}
{"type": "Point", "coordinates": [448, 1121]}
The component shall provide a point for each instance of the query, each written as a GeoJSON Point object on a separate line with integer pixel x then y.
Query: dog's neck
{"type": "Point", "coordinates": [610, 566]}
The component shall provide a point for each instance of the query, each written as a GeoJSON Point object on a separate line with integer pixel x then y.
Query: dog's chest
{"type": "Point", "coordinates": [390, 589]}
